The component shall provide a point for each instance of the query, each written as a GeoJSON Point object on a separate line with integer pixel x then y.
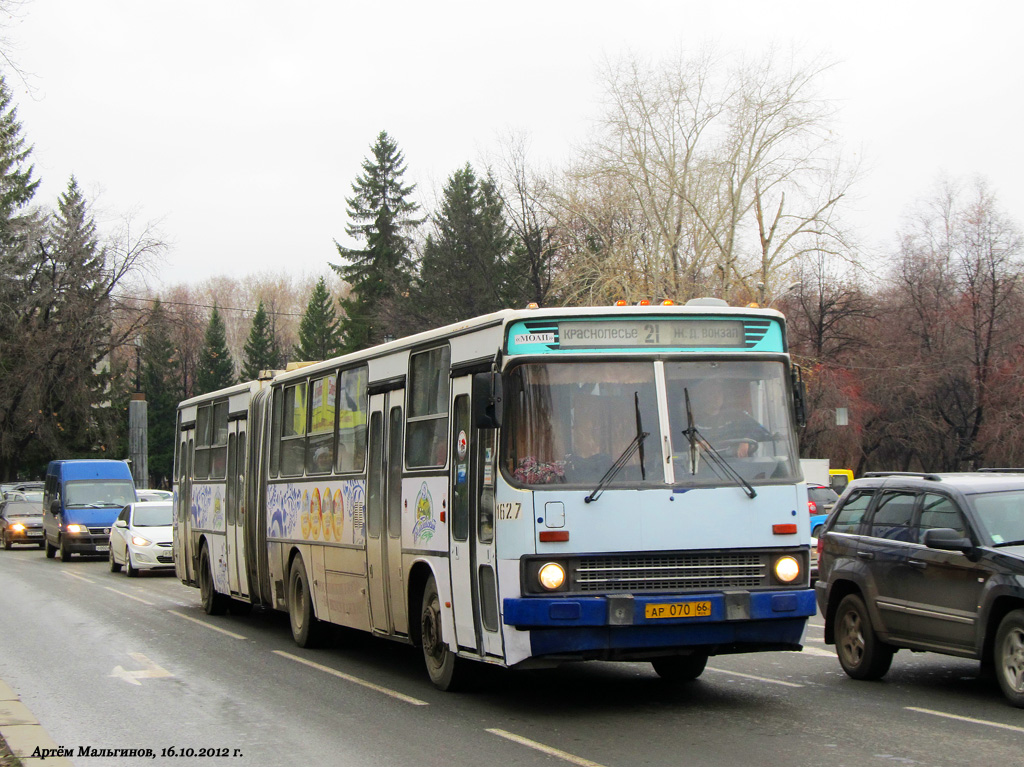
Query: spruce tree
{"type": "Point", "coordinates": [160, 381]}
{"type": "Point", "coordinates": [465, 259]}
{"type": "Point", "coordinates": [381, 272]}
{"type": "Point", "coordinates": [215, 369]}
{"type": "Point", "coordinates": [318, 329]}
{"type": "Point", "coordinates": [261, 350]}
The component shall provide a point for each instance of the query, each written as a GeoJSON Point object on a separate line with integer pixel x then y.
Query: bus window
{"type": "Point", "coordinates": [352, 409]}
{"type": "Point", "coordinates": [293, 442]}
{"type": "Point", "coordinates": [427, 435]}
{"type": "Point", "coordinates": [320, 446]}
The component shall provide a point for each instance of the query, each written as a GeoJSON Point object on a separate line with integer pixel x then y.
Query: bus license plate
{"type": "Point", "coordinates": [678, 610]}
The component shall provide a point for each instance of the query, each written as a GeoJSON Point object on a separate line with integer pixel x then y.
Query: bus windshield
{"type": "Point", "coordinates": [569, 421]}
{"type": "Point", "coordinates": [741, 410]}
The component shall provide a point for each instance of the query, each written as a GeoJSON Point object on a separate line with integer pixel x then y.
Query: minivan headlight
{"type": "Point", "coordinates": [75, 528]}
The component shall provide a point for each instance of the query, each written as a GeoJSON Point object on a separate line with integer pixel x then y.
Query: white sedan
{"type": "Point", "coordinates": [141, 538]}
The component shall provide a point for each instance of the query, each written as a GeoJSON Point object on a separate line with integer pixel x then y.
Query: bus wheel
{"type": "Point", "coordinates": [213, 603]}
{"type": "Point", "coordinates": [681, 668]}
{"type": "Point", "coordinates": [446, 670]}
{"type": "Point", "coordinates": [50, 550]}
{"type": "Point", "coordinates": [307, 630]}
{"type": "Point", "coordinates": [65, 552]}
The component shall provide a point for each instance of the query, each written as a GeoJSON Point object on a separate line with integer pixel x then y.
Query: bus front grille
{"type": "Point", "coordinates": [671, 572]}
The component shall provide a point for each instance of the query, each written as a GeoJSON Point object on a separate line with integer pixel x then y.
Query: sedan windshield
{"type": "Point", "coordinates": [1001, 514]}
{"type": "Point", "coordinates": [153, 515]}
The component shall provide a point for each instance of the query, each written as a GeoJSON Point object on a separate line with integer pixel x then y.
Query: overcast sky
{"type": "Point", "coordinates": [240, 125]}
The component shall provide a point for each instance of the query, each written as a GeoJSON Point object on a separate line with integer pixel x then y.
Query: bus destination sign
{"type": "Point", "coordinates": [651, 333]}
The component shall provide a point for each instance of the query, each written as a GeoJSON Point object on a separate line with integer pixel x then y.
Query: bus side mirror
{"type": "Point", "coordinates": [488, 400]}
{"type": "Point", "coordinates": [799, 397]}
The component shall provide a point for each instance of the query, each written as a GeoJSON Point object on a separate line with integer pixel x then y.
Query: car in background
{"type": "Point", "coordinates": [141, 538]}
{"type": "Point", "coordinates": [928, 563]}
{"type": "Point", "coordinates": [21, 522]}
{"type": "Point", "coordinates": [820, 500]}
{"type": "Point", "coordinates": [154, 495]}
{"type": "Point", "coordinates": [30, 491]}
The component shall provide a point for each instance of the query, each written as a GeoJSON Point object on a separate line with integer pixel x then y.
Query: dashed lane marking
{"type": "Point", "coordinates": [204, 624]}
{"type": "Point", "coordinates": [353, 679]}
{"type": "Point", "coordinates": [130, 596]}
{"type": "Point", "coordinates": [959, 718]}
{"type": "Point", "coordinates": [756, 678]}
{"type": "Point", "coordinates": [564, 755]}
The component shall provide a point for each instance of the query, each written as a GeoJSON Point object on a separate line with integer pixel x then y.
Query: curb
{"type": "Point", "coordinates": [23, 733]}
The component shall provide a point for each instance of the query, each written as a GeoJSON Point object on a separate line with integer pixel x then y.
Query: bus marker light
{"type": "Point", "coordinates": [553, 536]}
{"type": "Point", "coordinates": [789, 529]}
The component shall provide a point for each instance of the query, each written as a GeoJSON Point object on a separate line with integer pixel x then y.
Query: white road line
{"type": "Point", "coordinates": [72, 575]}
{"type": "Point", "coordinates": [757, 678]}
{"type": "Point", "coordinates": [818, 652]}
{"type": "Point", "coordinates": [544, 749]}
{"type": "Point", "coordinates": [355, 680]}
{"type": "Point", "coordinates": [206, 625]}
{"type": "Point", "coordinates": [130, 596]}
{"type": "Point", "coordinates": [966, 719]}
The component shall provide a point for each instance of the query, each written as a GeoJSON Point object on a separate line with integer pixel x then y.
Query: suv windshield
{"type": "Point", "coordinates": [1001, 514]}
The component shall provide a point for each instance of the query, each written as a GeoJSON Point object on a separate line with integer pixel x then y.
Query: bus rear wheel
{"type": "Point", "coordinates": [213, 603]}
{"type": "Point", "coordinates": [307, 630]}
{"type": "Point", "coordinates": [446, 670]}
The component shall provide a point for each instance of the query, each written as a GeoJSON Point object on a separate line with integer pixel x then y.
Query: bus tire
{"type": "Point", "coordinates": [51, 550]}
{"type": "Point", "coordinates": [680, 668]}
{"type": "Point", "coordinates": [307, 630]}
{"type": "Point", "coordinates": [213, 603]}
{"type": "Point", "coordinates": [445, 668]}
{"type": "Point", "coordinates": [65, 552]}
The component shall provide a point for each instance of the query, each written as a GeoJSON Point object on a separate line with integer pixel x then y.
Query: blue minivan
{"type": "Point", "coordinates": [81, 500]}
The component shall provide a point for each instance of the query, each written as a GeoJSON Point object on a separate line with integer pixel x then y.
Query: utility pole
{"type": "Point", "coordinates": [138, 425]}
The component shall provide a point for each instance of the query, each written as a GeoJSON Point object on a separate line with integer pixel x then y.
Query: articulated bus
{"type": "Point", "coordinates": [522, 489]}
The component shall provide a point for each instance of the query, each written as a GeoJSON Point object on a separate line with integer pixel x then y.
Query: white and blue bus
{"type": "Point", "coordinates": [522, 489]}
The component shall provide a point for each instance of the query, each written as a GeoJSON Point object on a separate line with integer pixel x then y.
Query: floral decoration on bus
{"type": "Point", "coordinates": [425, 525]}
{"type": "Point", "coordinates": [207, 508]}
{"type": "Point", "coordinates": [332, 513]}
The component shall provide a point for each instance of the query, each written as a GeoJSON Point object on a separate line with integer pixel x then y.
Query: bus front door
{"type": "Point", "coordinates": [471, 547]}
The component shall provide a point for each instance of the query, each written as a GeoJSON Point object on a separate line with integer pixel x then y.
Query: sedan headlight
{"type": "Point", "coordinates": [17, 527]}
{"type": "Point", "coordinates": [75, 528]}
{"type": "Point", "coordinates": [551, 576]}
{"type": "Point", "coordinates": [138, 540]}
{"type": "Point", "coordinates": [787, 569]}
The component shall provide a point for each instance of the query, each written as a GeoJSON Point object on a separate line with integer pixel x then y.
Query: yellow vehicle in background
{"type": "Point", "coordinates": [839, 479]}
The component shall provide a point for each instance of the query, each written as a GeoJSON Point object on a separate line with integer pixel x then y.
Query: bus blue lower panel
{"type": "Point", "coordinates": [589, 624]}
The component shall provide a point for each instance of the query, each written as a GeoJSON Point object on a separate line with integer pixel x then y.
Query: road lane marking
{"type": "Point", "coordinates": [130, 596]}
{"type": "Point", "coordinates": [151, 670]}
{"type": "Point", "coordinates": [564, 755]}
{"type": "Point", "coordinates": [204, 624]}
{"type": "Point", "coordinates": [965, 719]}
{"type": "Point", "coordinates": [72, 575]}
{"type": "Point", "coordinates": [354, 679]}
{"type": "Point", "coordinates": [756, 678]}
{"type": "Point", "coordinates": [818, 652]}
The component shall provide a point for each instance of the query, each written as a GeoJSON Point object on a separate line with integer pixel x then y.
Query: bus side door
{"type": "Point", "coordinates": [388, 612]}
{"type": "Point", "coordinates": [182, 546]}
{"type": "Point", "coordinates": [471, 545]}
{"type": "Point", "coordinates": [235, 512]}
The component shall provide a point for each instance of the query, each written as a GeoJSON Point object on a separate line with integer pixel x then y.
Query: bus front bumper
{"type": "Point", "coordinates": [630, 625]}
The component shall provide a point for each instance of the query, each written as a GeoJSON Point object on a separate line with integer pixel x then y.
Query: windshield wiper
{"type": "Point", "coordinates": [717, 461]}
{"type": "Point", "coordinates": [636, 446]}
{"type": "Point", "coordinates": [1009, 543]}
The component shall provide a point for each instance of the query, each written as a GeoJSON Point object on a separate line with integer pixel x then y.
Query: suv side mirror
{"type": "Point", "coordinates": [946, 539]}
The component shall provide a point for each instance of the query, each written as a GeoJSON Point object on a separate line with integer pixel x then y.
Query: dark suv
{"type": "Point", "coordinates": [926, 562]}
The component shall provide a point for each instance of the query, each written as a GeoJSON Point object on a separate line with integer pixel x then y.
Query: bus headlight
{"type": "Point", "coordinates": [551, 576]}
{"type": "Point", "coordinates": [787, 569]}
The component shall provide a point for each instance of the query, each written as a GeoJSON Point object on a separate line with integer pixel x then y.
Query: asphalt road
{"type": "Point", "coordinates": [108, 662]}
